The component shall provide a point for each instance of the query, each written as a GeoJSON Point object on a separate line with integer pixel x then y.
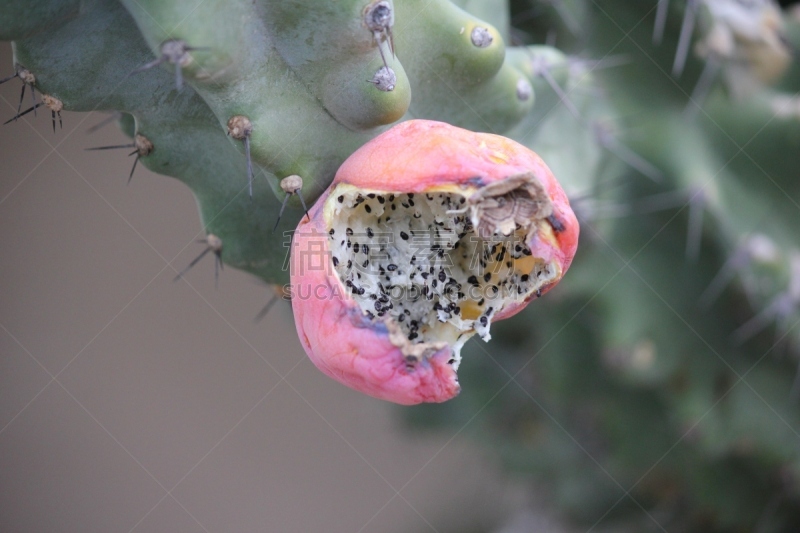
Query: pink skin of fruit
{"type": "Point", "coordinates": [413, 156]}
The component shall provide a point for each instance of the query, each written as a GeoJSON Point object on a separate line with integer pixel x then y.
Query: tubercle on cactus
{"type": "Point", "coordinates": [428, 234]}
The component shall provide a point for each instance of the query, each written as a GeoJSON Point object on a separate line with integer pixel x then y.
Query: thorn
{"type": "Point", "coordinates": [378, 36]}
{"type": "Point", "coordinates": [240, 128]}
{"type": "Point", "coordinates": [143, 147]}
{"type": "Point", "coordinates": [684, 41]}
{"type": "Point", "coordinates": [33, 98]}
{"type": "Point", "coordinates": [569, 20]}
{"type": "Point", "coordinates": [779, 308]}
{"type": "Point", "coordinates": [631, 158]}
{"type": "Point", "coordinates": [702, 87]}
{"type": "Point", "coordinates": [391, 41]}
{"type": "Point", "coordinates": [116, 115]}
{"type": "Point", "coordinates": [697, 204]}
{"type": "Point", "coordinates": [291, 185]}
{"type": "Point", "coordinates": [53, 114]}
{"type": "Point", "coordinates": [266, 309]}
{"type": "Point", "coordinates": [8, 78]}
{"type": "Point", "coordinates": [18, 115]}
{"type": "Point", "coordinates": [249, 165]}
{"type": "Point", "coordinates": [178, 76]}
{"type": "Point", "coordinates": [131, 145]}
{"type": "Point", "coordinates": [213, 244]}
{"type": "Point", "coordinates": [541, 68]}
{"type": "Point", "coordinates": [133, 168]}
{"type": "Point", "coordinates": [379, 19]}
{"type": "Point", "coordinates": [21, 96]}
{"type": "Point", "coordinates": [173, 51]}
{"type": "Point", "coordinates": [661, 21]}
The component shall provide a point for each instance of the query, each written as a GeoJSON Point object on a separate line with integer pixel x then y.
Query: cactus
{"type": "Point", "coordinates": [648, 391]}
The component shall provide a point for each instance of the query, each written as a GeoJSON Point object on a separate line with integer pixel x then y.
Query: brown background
{"type": "Point", "coordinates": [131, 403]}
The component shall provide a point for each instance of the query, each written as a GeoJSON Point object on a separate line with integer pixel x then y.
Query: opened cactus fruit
{"type": "Point", "coordinates": [427, 235]}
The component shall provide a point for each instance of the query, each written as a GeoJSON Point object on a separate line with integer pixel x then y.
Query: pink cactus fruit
{"type": "Point", "coordinates": [427, 235]}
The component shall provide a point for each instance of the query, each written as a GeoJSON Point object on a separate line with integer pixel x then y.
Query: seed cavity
{"type": "Point", "coordinates": [446, 263]}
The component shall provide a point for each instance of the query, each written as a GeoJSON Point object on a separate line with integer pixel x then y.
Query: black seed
{"type": "Point", "coordinates": [401, 318]}
{"type": "Point", "coordinates": [335, 261]}
{"type": "Point", "coordinates": [391, 197]}
{"type": "Point", "coordinates": [394, 207]}
{"type": "Point", "coordinates": [406, 311]}
{"type": "Point", "coordinates": [480, 304]}
{"type": "Point", "coordinates": [365, 248]}
{"type": "Point", "coordinates": [341, 199]}
{"type": "Point", "coordinates": [411, 202]}
{"type": "Point", "coordinates": [391, 267]}
{"type": "Point", "coordinates": [378, 306]}
{"type": "Point", "coordinates": [473, 280]}
{"type": "Point", "coordinates": [413, 335]}
{"type": "Point", "coordinates": [388, 219]}
{"type": "Point", "coordinates": [486, 277]}
{"type": "Point", "coordinates": [367, 208]}
{"type": "Point", "coordinates": [524, 277]}
{"type": "Point", "coordinates": [527, 252]}
{"type": "Point", "coordinates": [495, 289]}
{"type": "Point", "coordinates": [518, 248]}
{"type": "Point", "coordinates": [332, 231]}
{"type": "Point", "coordinates": [442, 276]}
{"type": "Point", "coordinates": [370, 233]}
{"type": "Point", "coordinates": [404, 204]}
{"type": "Point", "coordinates": [483, 321]}
{"type": "Point", "coordinates": [404, 235]}
{"type": "Point", "coordinates": [424, 275]}
{"type": "Point", "coordinates": [370, 315]}
{"type": "Point", "coordinates": [361, 290]}
{"type": "Point", "coordinates": [371, 195]}
{"type": "Point", "coordinates": [410, 195]}
{"type": "Point", "coordinates": [381, 199]}
{"type": "Point", "coordinates": [437, 306]}
{"type": "Point", "coordinates": [365, 264]}
{"type": "Point", "coordinates": [433, 283]}
{"type": "Point", "coordinates": [349, 264]}
{"type": "Point", "coordinates": [508, 264]}
{"type": "Point", "coordinates": [349, 231]}
{"type": "Point", "coordinates": [413, 259]}
{"type": "Point", "coordinates": [489, 311]}
{"type": "Point", "coordinates": [458, 310]}
{"type": "Point", "coordinates": [355, 247]}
